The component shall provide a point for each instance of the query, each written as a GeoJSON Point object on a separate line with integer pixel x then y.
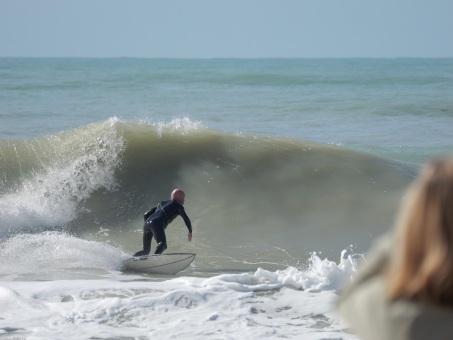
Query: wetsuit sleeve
{"type": "Point", "coordinates": [149, 213]}
{"type": "Point", "coordinates": [186, 218]}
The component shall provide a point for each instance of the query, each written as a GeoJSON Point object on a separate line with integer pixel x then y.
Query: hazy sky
{"type": "Point", "coordinates": [226, 28]}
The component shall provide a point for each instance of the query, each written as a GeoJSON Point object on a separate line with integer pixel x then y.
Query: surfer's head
{"type": "Point", "coordinates": [178, 195]}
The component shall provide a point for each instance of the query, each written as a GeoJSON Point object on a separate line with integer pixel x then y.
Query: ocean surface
{"type": "Point", "coordinates": [291, 168]}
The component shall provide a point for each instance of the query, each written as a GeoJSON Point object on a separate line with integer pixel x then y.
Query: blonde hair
{"type": "Point", "coordinates": [422, 266]}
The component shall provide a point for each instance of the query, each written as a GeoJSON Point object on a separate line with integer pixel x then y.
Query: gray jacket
{"type": "Point", "coordinates": [374, 317]}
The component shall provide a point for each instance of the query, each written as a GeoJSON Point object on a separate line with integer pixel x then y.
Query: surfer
{"type": "Point", "coordinates": [159, 217]}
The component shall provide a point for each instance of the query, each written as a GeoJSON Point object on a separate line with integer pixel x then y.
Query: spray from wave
{"type": "Point", "coordinates": [52, 252]}
{"type": "Point", "coordinates": [53, 175]}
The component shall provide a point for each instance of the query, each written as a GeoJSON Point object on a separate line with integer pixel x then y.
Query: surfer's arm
{"type": "Point", "coordinates": [186, 219]}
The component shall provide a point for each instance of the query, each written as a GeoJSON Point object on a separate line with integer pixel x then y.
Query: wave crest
{"type": "Point", "coordinates": [63, 170]}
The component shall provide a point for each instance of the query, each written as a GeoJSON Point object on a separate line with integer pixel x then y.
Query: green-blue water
{"type": "Point", "coordinates": [401, 108]}
{"type": "Point", "coordinates": [279, 159]}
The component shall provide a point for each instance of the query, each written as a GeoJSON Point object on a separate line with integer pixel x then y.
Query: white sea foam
{"type": "Point", "coordinates": [292, 303]}
{"type": "Point", "coordinates": [184, 307]}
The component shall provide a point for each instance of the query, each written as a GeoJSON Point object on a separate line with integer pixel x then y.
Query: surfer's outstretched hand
{"type": "Point", "coordinates": [189, 236]}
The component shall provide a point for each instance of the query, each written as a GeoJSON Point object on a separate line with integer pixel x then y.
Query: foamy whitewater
{"type": "Point", "coordinates": [292, 168]}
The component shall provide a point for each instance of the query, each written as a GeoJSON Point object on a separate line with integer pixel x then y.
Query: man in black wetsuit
{"type": "Point", "coordinates": [158, 218]}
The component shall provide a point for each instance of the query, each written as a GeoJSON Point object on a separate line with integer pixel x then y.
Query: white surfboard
{"type": "Point", "coordinates": [160, 264]}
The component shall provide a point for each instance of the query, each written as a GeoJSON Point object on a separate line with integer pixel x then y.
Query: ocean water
{"type": "Point", "coordinates": [291, 167]}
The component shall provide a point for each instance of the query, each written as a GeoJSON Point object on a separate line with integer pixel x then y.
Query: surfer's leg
{"type": "Point", "coordinates": [161, 239]}
{"type": "Point", "coordinates": [147, 238]}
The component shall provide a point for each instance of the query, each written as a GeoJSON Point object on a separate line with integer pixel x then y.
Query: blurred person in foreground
{"type": "Point", "coordinates": [405, 290]}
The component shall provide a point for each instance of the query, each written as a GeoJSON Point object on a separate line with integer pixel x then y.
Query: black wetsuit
{"type": "Point", "coordinates": [156, 220]}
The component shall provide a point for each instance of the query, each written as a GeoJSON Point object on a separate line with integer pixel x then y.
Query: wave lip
{"type": "Point", "coordinates": [56, 173]}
